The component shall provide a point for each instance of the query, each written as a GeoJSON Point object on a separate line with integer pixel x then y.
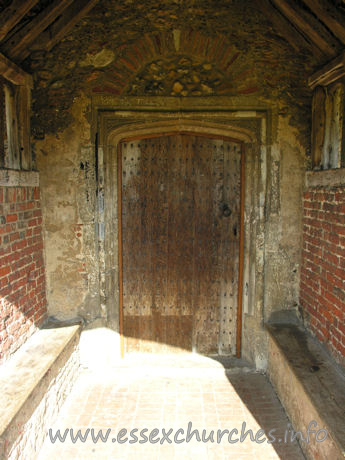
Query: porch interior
{"type": "Point", "coordinates": [172, 225]}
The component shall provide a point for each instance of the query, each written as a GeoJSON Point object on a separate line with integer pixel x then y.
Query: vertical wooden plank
{"type": "Point", "coordinates": [318, 126]}
{"type": "Point", "coordinates": [198, 313]}
{"type": "Point", "coordinates": [342, 136]}
{"type": "Point", "coordinates": [120, 246]}
{"type": "Point", "coordinates": [162, 238]}
{"type": "Point", "coordinates": [173, 247]}
{"type": "Point", "coordinates": [174, 229]}
{"type": "Point", "coordinates": [230, 226]}
{"type": "Point", "coordinates": [23, 111]}
{"type": "Point", "coordinates": [147, 305]}
{"type": "Point", "coordinates": [143, 247]}
{"type": "Point", "coordinates": [132, 271]}
{"type": "Point", "coordinates": [3, 134]}
{"type": "Point", "coordinates": [141, 288]}
{"type": "Point", "coordinates": [241, 256]}
{"type": "Point", "coordinates": [159, 223]}
{"type": "Point", "coordinates": [186, 213]}
{"type": "Point", "coordinates": [214, 156]}
{"type": "Point", "coordinates": [327, 142]}
{"type": "Point", "coordinates": [172, 290]}
{"type": "Point", "coordinates": [223, 243]}
{"type": "Point", "coordinates": [206, 311]}
{"type": "Point", "coordinates": [336, 128]}
{"type": "Point", "coordinates": [180, 235]}
{"type": "Point", "coordinates": [12, 159]}
{"type": "Point", "coordinates": [164, 192]}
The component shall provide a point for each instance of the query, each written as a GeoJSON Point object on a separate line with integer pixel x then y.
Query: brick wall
{"type": "Point", "coordinates": [322, 290]}
{"type": "Point", "coordinates": [23, 305]}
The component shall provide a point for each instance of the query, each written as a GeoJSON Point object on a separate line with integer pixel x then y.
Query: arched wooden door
{"type": "Point", "coordinates": [179, 243]}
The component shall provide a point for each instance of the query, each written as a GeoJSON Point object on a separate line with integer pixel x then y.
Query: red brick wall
{"type": "Point", "coordinates": [322, 290]}
{"type": "Point", "coordinates": [23, 304]}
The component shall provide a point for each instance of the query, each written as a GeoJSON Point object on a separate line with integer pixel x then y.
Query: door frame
{"type": "Point", "coordinates": [249, 120]}
{"type": "Point", "coordinates": [149, 135]}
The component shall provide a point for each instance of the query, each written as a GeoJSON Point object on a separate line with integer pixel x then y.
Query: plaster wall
{"type": "Point", "coordinates": [66, 165]}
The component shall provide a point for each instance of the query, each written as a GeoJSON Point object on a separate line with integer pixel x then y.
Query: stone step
{"type": "Point", "coordinates": [34, 384]}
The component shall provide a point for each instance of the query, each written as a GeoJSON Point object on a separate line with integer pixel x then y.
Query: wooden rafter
{"type": "Point", "coordinates": [11, 72]}
{"type": "Point", "coordinates": [329, 15]}
{"type": "Point", "coordinates": [330, 73]}
{"type": "Point", "coordinates": [309, 26]}
{"type": "Point", "coordinates": [15, 47]}
{"type": "Point", "coordinates": [13, 14]}
{"type": "Point", "coordinates": [63, 24]}
{"type": "Point", "coordinates": [286, 29]}
{"type": "Point", "coordinates": [318, 126]}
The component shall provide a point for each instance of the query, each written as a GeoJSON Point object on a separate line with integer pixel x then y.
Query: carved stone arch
{"type": "Point", "coordinates": [180, 125]}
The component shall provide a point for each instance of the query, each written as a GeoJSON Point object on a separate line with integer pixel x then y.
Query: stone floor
{"type": "Point", "coordinates": [168, 392]}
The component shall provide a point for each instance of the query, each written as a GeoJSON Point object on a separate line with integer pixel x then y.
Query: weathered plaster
{"type": "Point", "coordinates": [66, 166]}
{"type": "Point", "coordinates": [284, 220]}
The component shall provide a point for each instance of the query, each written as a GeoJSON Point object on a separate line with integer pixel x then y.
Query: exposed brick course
{"type": "Point", "coordinates": [322, 293]}
{"type": "Point", "coordinates": [23, 305]}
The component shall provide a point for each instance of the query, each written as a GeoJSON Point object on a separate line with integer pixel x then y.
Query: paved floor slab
{"type": "Point", "coordinates": [172, 393]}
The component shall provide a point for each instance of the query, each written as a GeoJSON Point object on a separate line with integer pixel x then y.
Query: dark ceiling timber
{"type": "Point", "coordinates": [329, 15]}
{"type": "Point", "coordinates": [15, 47]}
{"type": "Point", "coordinates": [310, 26]}
{"type": "Point", "coordinates": [13, 14]}
{"type": "Point", "coordinates": [330, 73]}
{"type": "Point", "coordinates": [287, 30]}
{"type": "Point", "coordinates": [44, 30]}
{"type": "Point", "coordinates": [65, 23]}
{"type": "Point", "coordinates": [13, 73]}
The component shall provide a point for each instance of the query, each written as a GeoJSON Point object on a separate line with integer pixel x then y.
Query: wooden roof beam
{"type": "Point", "coordinates": [329, 73]}
{"type": "Point", "coordinates": [11, 72]}
{"type": "Point", "coordinates": [15, 46]}
{"type": "Point", "coordinates": [309, 26]}
{"type": "Point", "coordinates": [286, 29]}
{"type": "Point", "coordinates": [63, 25]}
{"type": "Point", "coordinates": [329, 15]}
{"type": "Point", "coordinates": [13, 14]}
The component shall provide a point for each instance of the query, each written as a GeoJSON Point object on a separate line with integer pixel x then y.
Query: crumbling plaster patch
{"type": "Point", "coordinates": [66, 165]}
{"type": "Point", "coordinates": [284, 227]}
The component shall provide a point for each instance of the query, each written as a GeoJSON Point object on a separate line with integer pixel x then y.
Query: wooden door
{"type": "Point", "coordinates": [180, 243]}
